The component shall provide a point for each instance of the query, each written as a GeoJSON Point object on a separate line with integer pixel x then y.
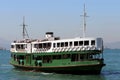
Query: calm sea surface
{"type": "Point", "coordinates": [110, 72]}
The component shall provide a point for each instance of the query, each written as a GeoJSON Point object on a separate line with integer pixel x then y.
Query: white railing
{"type": "Point", "coordinates": [65, 49]}
{"type": "Point", "coordinates": [77, 48]}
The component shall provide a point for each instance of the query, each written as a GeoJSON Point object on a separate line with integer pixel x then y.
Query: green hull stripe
{"type": "Point", "coordinates": [58, 53]}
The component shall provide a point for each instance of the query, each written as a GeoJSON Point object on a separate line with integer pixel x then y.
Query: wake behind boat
{"type": "Point", "coordinates": [52, 54]}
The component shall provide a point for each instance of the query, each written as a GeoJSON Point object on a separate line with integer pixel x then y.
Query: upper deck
{"type": "Point", "coordinates": [53, 44]}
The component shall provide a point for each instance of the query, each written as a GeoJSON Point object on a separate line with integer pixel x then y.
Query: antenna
{"type": "Point", "coordinates": [24, 33]}
{"type": "Point", "coordinates": [84, 22]}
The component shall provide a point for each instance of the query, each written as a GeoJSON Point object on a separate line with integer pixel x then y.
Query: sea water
{"type": "Point", "coordinates": [109, 72]}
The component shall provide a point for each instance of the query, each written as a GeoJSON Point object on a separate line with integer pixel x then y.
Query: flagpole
{"type": "Point", "coordinates": [84, 22]}
{"type": "Point", "coordinates": [24, 33]}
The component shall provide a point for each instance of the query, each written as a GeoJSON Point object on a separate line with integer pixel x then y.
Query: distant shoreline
{"type": "Point", "coordinates": [111, 49]}
{"type": "Point", "coordinates": [2, 48]}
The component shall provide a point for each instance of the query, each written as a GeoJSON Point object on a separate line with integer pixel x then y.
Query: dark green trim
{"type": "Point", "coordinates": [79, 69]}
{"type": "Point", "coordinates": [58, 53]}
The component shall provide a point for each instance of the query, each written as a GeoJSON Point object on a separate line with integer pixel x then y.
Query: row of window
{"type": "Point", "coordinates": [19, 46]}
{"type": "Point", "coordinates": [58, 44]}
{"type": "Point", "coordinates": [49, 58]}
{"type": "Point", "coordinates": [75, 43]}
{"type": "Point", "coordinates": [42, 45]}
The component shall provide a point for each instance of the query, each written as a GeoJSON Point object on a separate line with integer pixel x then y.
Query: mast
{"type": "Point", "coordinates": [24, 33]}
{"type": "Point", "coordinates": [84, 22]}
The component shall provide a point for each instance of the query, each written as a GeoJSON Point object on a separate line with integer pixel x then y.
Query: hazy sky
{"type": "Point", "coordinates": [60, 16]}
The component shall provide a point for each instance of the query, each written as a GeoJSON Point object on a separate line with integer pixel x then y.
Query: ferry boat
{"type": "Point", "coordinates": [52, 54]}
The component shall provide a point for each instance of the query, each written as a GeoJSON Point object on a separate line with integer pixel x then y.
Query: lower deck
{"type": "Point", "coordinates": [59, 62]}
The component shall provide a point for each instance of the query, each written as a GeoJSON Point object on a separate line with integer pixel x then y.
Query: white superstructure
{"type": "Point", "coordinates": [60, 45]}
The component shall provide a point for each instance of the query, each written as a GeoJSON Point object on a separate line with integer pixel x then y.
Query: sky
{"type": "Point", "coordinates": [61, 17]}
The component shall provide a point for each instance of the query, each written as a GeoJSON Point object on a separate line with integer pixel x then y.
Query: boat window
{"type": "Point", "coordinates": [36, 45]}
{"type": "Point", "coordinates": [70, 43]}
{"type": "Point", "coordinates": [80, 43]}
{"type": "Point", "coordinates": [44, 45]}
{"type": "Point", "coordinates": [25, 45]}
{"type": "Point", "coordinates": [37, 57]}
{"type": "Point", "coordinates": [40, 45]}
{"type": "Point", "coordinates": [56, 56]}
{"type": "Point", "coordinates": [62, 44]}
{"type": "Point", "coordinates": [20, 57]}
{"type": "Point", "coordinates": [17, 46]}
{"type": "Point", "coordinates": [12, 46]}
{"type": "Point", "coordinates": [21, 46]}
{"type": "Point", "coordinates": [65, 56]}
{"type": "Point", "coordinates": [66, 44]}
{"type": "Point", "coordinates": [49, 45]}
{"type": "Point", "coordinates": [54, 45]}
{"type": "Point", "coordinates": [58, 44]}
{"type": "Point", "coordinates": [47, 59]}
{"type": "Point", "coordinates": [86, 43]}
{"type": "Point", "coordinates": [93, 42]}
{"type": "Point", "coordinates": [76, 43]}
{"type": "Point", "coordinates": [74, 57]}
{"type": "Point", "coordinates": [83, 56]}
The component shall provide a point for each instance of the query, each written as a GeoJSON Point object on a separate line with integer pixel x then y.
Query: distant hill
{"type": "Point", "coordinates": [113, 45]}
{"type": "Point", "coordinates": [4, 44]}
